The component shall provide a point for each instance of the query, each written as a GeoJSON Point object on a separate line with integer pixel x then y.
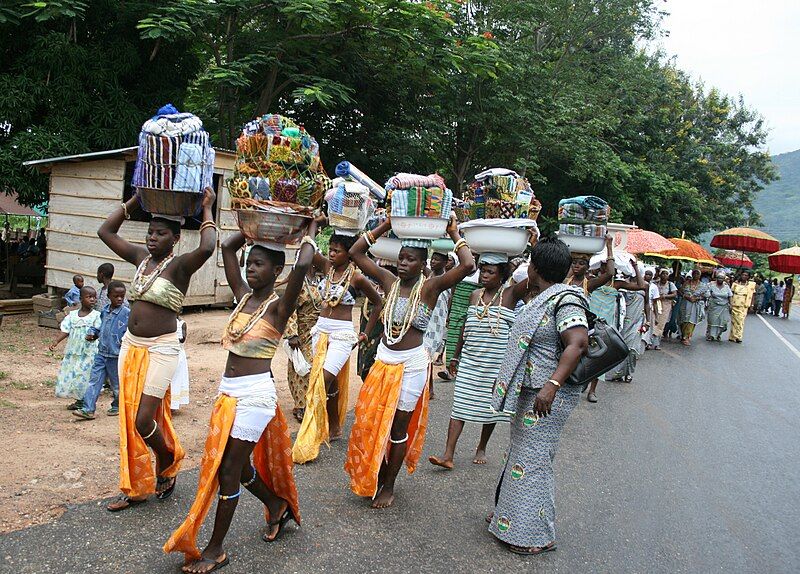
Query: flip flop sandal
{"type": "Point", "coordinates": [281, 522]}
{"type": "Point", "coordinates": [531, 551]}
{"type": "Point", "coordinates": [217, 564]}
{"type": "Point", "coordinates": [166, 493]}
{"type": "Point", "coordinates": [129, 502]}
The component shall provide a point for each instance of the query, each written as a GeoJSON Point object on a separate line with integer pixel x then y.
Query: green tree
{"type": "Point", "coordinates": [77, 78]}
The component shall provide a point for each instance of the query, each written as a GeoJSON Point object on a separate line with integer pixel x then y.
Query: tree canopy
{"type": "Point", "coordinates": [566, 91]}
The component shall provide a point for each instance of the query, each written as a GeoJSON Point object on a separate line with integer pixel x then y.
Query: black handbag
{"type": "Point", "coordinates": [607, 349]}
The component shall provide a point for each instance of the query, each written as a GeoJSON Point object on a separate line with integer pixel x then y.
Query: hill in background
{"type": "Point", "coordinates": [779, 203]}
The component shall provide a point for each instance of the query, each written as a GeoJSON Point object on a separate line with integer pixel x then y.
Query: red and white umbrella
{"type": "Point", "coordinates": [746, 239]}
{"type": "Point", "coordinates": [730, 258]}
{"type": "Point", "coordinates": [786, 260]}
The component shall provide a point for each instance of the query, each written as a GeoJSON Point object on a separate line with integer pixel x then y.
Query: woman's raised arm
{"type": "Point", "coordinates": [109, 233]}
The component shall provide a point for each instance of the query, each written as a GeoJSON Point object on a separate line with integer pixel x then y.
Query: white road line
{"type": "Point", "coordinates": [783, 340]}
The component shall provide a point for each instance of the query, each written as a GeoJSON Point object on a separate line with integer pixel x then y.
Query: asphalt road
{"type": "Point", "coordinates": [691, 468]}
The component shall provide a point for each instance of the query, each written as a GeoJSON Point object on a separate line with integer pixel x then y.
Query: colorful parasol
{"type": "Point", "coordinates": [643, 241]}
{"type": "Point", "coordinates": [746, 239]}
{"type": "Point", "coordinates": [687, 251]}
{"type": "Point", "coordinates": [730, 258]}
{"type": "Point", "coordinates": [786, 260]}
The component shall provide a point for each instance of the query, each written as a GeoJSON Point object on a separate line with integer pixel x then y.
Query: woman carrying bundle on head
{"type": "Point", "coordinates": [150, 349]}
{"type": "Point", "coordinates": [246, 418]}
{"type": "Point", "coordinates": [392, 408]}
{"type": "Point", "coordinates": [333, 339]}
{"type": "Point", "coordinates": [479, 354]}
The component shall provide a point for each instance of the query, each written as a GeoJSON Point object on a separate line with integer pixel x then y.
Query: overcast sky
{"type": "Point", "coordinates": [744, 47]}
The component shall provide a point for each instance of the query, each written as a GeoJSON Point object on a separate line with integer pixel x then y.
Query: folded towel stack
{"type": "Point", "coordinates": [585, 215]}
{"type": "Point", "coordinates": [413, 195]}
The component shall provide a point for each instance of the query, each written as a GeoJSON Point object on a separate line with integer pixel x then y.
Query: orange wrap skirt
{"type": "Point", "coordinates": [136, 474]}
{"type": "Point", "coordinates": [272, 458]}
{"type": "Point", "coordinates": [374, 414]}
{"type": "Point", "coordinates": [314, 428]}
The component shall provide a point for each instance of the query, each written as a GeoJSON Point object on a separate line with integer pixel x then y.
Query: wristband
{"type": "Point", "coordinates": [555, 382]}
{"type": "Point", "coordinates": [125, 210]}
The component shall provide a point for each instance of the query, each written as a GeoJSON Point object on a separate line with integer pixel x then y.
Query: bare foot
{"type": "Point", "coordinates": [207, 563]}
{"type": "Point", "coordinates": [443, 462]}
{"type": "Point", "coordinates": [384, 499]}
{"type": "Point", "coordinates": [276, 517]}
{"type": "Point", "coordinates": [334, 433]}
{"type": "Point", "coordinates": [480, 457]}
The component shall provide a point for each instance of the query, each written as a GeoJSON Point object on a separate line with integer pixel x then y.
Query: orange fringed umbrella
{"type": "Point", "coordinates": [730, 258]}
{"type": "Point", "coordinates": [643, 241]}
{"type": "Point", "coordinates": [687, 251]}
{"type": "Point", "coordinates": [746, 239]}
{"type": "Point", "coordinates": [786, 260]}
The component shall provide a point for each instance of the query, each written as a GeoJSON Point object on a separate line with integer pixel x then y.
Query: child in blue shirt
{"type": "Point", "coordinates": [73, 296]}
{"type": "Point", "coordinates": [114, 323]}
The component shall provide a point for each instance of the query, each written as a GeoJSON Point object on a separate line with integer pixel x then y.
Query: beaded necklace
{"type": "Point", "coordinates": [329, 298]}
{"type": "Point", "coordinates": [313, 294]}
{"type": "Point", "coordinates": [484, 308]}
{"type": "Point", "coordinates": [236, 334]}
{"type": "Point", "coordinates": [141, 281]}
{"type": "Point", "coordinates": [393, 330]}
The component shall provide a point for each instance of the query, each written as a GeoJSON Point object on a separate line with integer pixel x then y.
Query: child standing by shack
{"type": "Point", "coordinates": [113, 324]}
{"type": "Point", "coordinates": [73, 296]}
{"type": "Point", "coordinates": [81, 348]}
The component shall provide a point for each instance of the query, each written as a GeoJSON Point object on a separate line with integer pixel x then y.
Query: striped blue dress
{"type": "Point", "coordinates": [483, 351]}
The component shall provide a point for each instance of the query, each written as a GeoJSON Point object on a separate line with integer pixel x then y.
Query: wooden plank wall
{"type": "Point", "coordinates": [82, 194]}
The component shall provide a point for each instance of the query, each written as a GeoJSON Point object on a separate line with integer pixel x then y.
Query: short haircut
{"type": "Point", "coordinates": [173, 226]}
{"type": "Point", "coordinates": [551, 259]}
{"type": "Point", "coordinates": [441, 256]}
{"type": "Point", "coordinates": [345, 241]}
{"type": "Point", "coordinates": [106, 270]}
{"type": "Point", "coordinates": [116, 285]}
{"type": "Point", "coordinates": [278, 258]}
{"type": "Point", "coordinates": [76, 277]}
{"type": "Point", "coordinates": [86, 289]}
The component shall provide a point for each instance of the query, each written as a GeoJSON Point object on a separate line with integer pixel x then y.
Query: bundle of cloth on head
{"type": "Point", "coordinates": [585, 215]}
{"type": "Point", "coordinates": [413, 195]}
{"type": "Point", "coordinates": [498, 193]}
{"type": "Point", "coordinates": [277, 161]}
{"type": "Point", "coordinates": [175, 153]}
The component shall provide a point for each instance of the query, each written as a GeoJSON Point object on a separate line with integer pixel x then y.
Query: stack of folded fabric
{"type": "Point", "coordinates": [586, 215]}
{"type": "Point", "coordinates": [419, 196]}
{"type": "Point", "coordinates": [498, 193]}
{"type": "Point", "coordinates": [175, 155]}
{"type": "Point", "coordinates": [278, 179]}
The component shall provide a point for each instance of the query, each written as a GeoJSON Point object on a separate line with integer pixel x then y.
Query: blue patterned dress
{"type": "Point", "coordinates": [73, 377]}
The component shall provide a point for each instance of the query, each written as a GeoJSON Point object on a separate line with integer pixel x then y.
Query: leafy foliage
{"type": "Point", "coordinates": [561, 90]}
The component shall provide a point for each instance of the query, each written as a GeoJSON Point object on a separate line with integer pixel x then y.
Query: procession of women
{"type": "Point", "coordinates": [421, 288]}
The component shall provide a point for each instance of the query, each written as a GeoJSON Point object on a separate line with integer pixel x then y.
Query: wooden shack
{"type": "Point", "coordinates": [85, 188]}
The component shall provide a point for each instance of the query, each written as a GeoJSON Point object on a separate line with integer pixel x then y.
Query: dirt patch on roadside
{"type": "Point", "coordinates": [54, 459]}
